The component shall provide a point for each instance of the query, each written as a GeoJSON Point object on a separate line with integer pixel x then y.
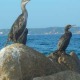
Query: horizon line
{"type": "Point", "coordinates": [41, 27]}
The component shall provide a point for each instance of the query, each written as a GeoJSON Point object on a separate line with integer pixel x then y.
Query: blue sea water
{"type": "Point", "coordinates": [48, 43]}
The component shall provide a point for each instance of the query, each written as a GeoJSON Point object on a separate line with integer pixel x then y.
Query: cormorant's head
{"type": "Point", "coordinates": [24, 2]}
{"type": "Point", "coordinates": [68, 27]}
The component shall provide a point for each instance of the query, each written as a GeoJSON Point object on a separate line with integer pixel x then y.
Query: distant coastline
{"type": "Point", "coordinates": [44, 31]}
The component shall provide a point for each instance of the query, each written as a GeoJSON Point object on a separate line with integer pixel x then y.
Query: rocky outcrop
{"type": "Point", "coordinates": [20, 62]}
{"type": "Point", "coordinates": [65, 75]}
{"type": "Point", "coordinates": [67, 62]}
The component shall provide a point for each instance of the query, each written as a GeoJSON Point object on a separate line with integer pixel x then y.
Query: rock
{"type": "Point", "coordinates": [65, 75]}
{"type": "Point", "coordinates": [66, 62]}
{"type": "Point", "coordinates": [75, 57]}
{"type": "Point", "coordinates": [53, 57]}
{"type": "Point", "coordinates": [69, 62]}
{"type": "Point", "coordinates": [20, 62]}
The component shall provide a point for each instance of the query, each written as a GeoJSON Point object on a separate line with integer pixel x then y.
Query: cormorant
{"type": "Point", "coordinates": [18, 32]}
{"type": "Point", "coordinates": [65, 39]}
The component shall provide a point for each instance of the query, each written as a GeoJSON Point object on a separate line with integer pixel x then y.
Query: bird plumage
{"type": "Point", "coordinates": [23, 37]}
{"type": "Point", "coordinates": [64, 41]}
{"type": "Point", "coordinates": [18, 30]}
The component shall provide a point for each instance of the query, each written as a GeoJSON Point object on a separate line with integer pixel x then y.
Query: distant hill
{"type": "Point", "coordinates": [45, 31]}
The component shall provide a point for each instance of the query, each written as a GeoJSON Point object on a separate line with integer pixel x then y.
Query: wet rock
{"type": "Point", "coordinates": [65, 75]}
{"type": "Point", "coordinates": [20, 62]}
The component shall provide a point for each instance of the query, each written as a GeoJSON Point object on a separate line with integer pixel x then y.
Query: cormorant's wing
{"type": "Point", "coordinates": [17, 28]}
{"type": "Point", "coordinates": [18, 24]}
{"type": "Point", "coordinates": [23, 38]}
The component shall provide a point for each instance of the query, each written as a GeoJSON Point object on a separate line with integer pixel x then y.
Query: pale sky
{"type": "Point", "coordinates": [41, 13]}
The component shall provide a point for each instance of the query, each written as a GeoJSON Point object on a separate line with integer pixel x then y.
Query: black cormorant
{"type": "Point", "coordinates": [18, 29]}
{"type": "Point", "coordinates": [65, 39]}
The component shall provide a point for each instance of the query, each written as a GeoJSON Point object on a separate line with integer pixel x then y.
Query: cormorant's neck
{"type": "Point", "coordinates": [66, 30]}
{"type": "Point", "coordinates": [23, 8]}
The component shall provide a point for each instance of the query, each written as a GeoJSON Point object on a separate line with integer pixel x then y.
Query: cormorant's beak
{"type": "Point", "coordinates": [70, 26]}
{"type": "Point", "coordinates": [73, 25]}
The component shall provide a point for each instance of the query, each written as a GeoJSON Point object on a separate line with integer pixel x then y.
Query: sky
{"type": "Point", "coordinates": [41, 13]}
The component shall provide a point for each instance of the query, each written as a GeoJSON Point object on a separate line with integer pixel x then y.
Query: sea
{"type": "Point", "coordinates": [47, 44]}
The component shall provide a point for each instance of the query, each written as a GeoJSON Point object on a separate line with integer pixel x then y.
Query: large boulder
{"type": "Point", "coordinates": [20, 62]}
{"type": "Point", "coordinates": [65, 75]}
